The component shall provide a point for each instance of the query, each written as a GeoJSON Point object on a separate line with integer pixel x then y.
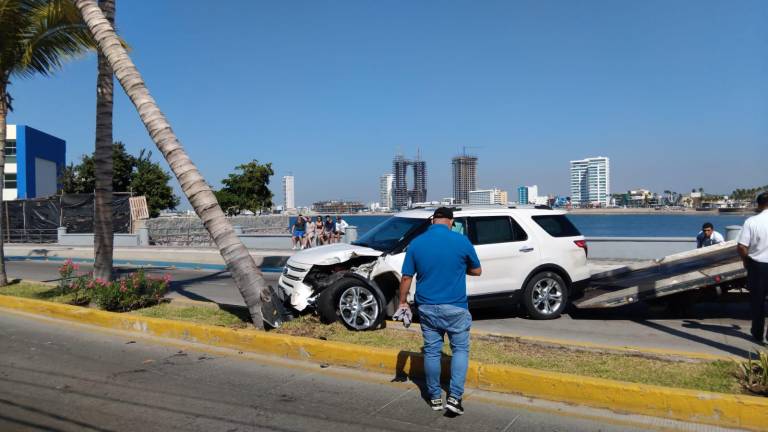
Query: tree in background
{"type": "Point", "coordinates": [81, 178]}
{"type": "Point", "coordinates": [137, 175]}
{"type": "Point", "coordinates": [247, 189]}
{"type": "Point", "coordinates": [36, 38]}
{"type": "Point", "coordinates": [103, 232]}
{"type": "Point", "coordinates": [151, 180]}
{"type": "Point", "coordinates": [240, 264]}
{"type": "Point", "coordinates": [748, 194]}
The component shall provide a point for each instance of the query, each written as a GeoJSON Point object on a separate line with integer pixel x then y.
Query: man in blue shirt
{"type": "Point", "coordinates": [440, 259]}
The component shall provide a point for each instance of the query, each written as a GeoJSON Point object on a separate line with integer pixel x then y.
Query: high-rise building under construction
{"type": "Point", "coordinates": [464, 177]}
{"type": "Point", "coordinates": [402, 196]}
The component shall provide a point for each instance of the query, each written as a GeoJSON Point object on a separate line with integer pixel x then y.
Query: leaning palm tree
{"type": "Point", "coordinates": [36, 37]}
{"type": "Point", "coordinates": [102, 157]}
{"type": "Point", "coordinates": [239, 262]}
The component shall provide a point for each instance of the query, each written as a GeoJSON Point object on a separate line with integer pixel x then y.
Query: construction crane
{"type": "Point", "coordinates": [464, 149]}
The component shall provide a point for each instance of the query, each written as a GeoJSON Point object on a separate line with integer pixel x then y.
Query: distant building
{"type": "Point", "coordinates": [590, 182]}
{"type": "Point", "coordinates": [336, 207]}
{"type": "Point", "coordinates": [488, 197]}
{"type": "Point", "coordinates": [289, 201]}
{"type": "Point", "coordinates": [34, 162]}
{"type": "Point", "coordinates": [402, 196]}
{"type": "Point", "coordinates": [464, 177]}
{"type": "Point", "coordinates": [528, 194]}
{"type": "Point", "coordinates": [386, 189]}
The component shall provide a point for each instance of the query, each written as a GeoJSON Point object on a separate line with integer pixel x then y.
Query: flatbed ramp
{"type": "Point", "coordinates": [672, 274]}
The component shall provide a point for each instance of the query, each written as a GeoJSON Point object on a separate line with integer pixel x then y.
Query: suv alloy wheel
{"type": "Point", "coordinates": [545, 296]}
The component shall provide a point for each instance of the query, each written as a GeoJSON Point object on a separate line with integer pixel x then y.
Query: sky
{"type": "Point", "coordinates": [674, 92]}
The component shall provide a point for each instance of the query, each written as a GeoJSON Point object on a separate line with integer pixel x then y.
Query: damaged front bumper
{"type": "Point", "coordinates": [292, 283]}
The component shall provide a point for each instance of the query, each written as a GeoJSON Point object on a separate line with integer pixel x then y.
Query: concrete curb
{"type": "Point", "coordinates": [687, 405]}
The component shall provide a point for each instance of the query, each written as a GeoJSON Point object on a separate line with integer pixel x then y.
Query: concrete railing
{"type": "Point", "coordinates": [141, 238]}
{"type": "Point", "coordinates": [638, 247]}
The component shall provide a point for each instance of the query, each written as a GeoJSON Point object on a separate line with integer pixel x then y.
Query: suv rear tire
{"type": "Point", "coordinates": [545, 296]}
{"type": "Point", "coordinates": [358, 305]}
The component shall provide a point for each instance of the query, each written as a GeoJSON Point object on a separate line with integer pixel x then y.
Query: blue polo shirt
{"type": "Point", "coordinates": [440, 258]}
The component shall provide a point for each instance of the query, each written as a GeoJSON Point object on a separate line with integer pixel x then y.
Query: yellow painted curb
{"type": "Point", "coordinates": [688, 405]}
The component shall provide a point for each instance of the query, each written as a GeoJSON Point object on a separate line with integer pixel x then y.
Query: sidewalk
{"type": "Point", "coordinates": [201, 258]}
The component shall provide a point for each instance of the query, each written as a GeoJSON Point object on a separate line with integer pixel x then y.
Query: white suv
{"type": "Point", "coordinates": [536, 257]}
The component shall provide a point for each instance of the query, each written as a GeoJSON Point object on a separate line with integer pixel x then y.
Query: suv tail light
{"type": "Point", "coordinates": [582, 244]}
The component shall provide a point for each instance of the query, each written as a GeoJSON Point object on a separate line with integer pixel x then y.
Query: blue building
{"type": "Point", "coordinates": [34, 162]}
{"type": "Point", "coordinates": [522, 195]}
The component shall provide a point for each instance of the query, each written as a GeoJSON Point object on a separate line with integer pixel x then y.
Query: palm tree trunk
{"type": "Point", "coordinates": [102, 221]}
{"type": "Point", "coordinates": [239, 262]}
{"type": "Point", "coordinates": [3, 116]}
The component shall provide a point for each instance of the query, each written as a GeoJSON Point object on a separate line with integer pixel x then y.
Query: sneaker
{"type": "Point", "coordinates": [453, 404]}
{"type": "Point", "coordinates": [436, 404]}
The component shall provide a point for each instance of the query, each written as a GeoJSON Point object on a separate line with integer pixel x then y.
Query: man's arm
{"type": "Point", "coordinates": [745, 239]}
{"type": "Point", "coordinates": [475, 271]}
{"type": "Point", "coordinates": [473, 262]}
{"type": "Point", "coordinates": [405, 287]}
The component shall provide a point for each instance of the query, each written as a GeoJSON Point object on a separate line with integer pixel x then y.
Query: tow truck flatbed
{"type": "Point", "coordinates": [672, 274]}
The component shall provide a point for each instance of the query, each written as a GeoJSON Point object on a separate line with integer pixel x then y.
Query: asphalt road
{"type": "Point", "coordinates": [720, 328]}
{"type": "Point", "coordinates": [58, 376]}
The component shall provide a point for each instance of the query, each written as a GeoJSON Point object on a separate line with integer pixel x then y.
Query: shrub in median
{"type": "Point", "coordinates": [754, 373]}
{"type": "Point", "coordinates": [130, 292]}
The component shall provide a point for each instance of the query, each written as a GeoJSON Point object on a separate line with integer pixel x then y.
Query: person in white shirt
{"type": "Point", "coordinates": [708, 236]}
{"type": "Point", "coordinates": [753, 249]}
{"type": "Point", "coordinates": [341, 228]}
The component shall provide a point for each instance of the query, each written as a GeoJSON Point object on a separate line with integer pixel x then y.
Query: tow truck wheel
{"type": "Point", "coordinates": [545, 296]}
{"type": "Point", "coordinates": [359, 306]}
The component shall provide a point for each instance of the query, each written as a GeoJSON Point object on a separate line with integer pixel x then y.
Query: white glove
{"type": "Point", "coordinates": [403, 314]}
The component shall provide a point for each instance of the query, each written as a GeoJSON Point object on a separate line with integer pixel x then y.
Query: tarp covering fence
{"type": "Point", "coordinates": [37, 220]}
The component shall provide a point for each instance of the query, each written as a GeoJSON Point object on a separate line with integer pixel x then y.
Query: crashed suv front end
{"type": "Point", "coordinates": [357, 282]}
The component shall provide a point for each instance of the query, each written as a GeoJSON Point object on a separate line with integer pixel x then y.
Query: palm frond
{"type": "Point", "coordinates": [54, 34]}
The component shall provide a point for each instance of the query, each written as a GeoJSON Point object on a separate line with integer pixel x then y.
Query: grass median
{"type": "Point", "coordinates": [717, 376]}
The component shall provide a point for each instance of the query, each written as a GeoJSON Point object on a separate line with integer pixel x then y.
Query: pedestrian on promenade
{"type": "Point", "coordinates": [311, 234]}
{"type": "Point", "coordinates": [753, 249]}
{"type": "Point", "coordinates": [440, 259]}
{"type": "Point", "coordinates": [297, 231]}
{"type": "Point", "coordinates": [341, 228]}
{"type": "Point", "coordinates": [328, 229]}
{"type": "Point", "coordinates": [708, 236]}
{"type": "Point", "coordinates": [319, 230]}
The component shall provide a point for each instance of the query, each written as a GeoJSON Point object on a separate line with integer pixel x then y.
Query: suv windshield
{"type": "Point", "coordinates": [386, 235]}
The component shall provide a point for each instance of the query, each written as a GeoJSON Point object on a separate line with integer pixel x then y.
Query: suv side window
{"type": "Point", "coordinates": [495, 229]}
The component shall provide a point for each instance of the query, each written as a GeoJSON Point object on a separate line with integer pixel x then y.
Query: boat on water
{"type": "Point", "coordinates": [737, 210]}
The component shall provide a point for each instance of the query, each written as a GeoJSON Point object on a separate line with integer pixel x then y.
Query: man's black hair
{"type": "Point", "coordinates": [762, 199]}
{"type": "Point", "coordinates": [443, 212]}
{"type": "Point", "coordinates": [707, 225]}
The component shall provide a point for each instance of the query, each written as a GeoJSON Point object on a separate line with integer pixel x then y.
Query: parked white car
{"type": "Point", "coordinates": [536, 257]}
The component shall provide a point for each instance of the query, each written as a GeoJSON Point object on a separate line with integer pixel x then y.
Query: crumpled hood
{"type": "Point", "coordinates": [332, 254]}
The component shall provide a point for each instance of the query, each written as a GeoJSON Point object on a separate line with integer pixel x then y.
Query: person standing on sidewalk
{"type": "Point", "coordinates": [440, 259]}
{"type": "Point", "coordinates": [753, 249]}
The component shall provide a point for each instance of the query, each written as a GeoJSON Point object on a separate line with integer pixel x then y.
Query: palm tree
{"type": "Point", "coordinates": [244, 270]}
{"type": "Point", "coordinates": [36, 37]}
{"type": "Point", "coordinates": [102, 158]}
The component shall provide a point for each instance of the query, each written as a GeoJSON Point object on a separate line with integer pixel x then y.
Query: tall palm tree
{"type": "Point", "coordinates": [36, 37]}
{"type": "Point", "coordinates": [244, 270]}
{"type": "Point", "coordinates": [102, 219]}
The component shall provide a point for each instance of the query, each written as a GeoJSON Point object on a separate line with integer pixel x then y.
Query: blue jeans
{"type": "Point", "coordinates": [436, 321]}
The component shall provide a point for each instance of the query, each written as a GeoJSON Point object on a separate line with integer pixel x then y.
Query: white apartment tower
{"type": "Point", "coordinates": [386, 193]}
{"type": "Point", "coordinates": [487, 196]}
{"type": "Point", "coordinates": [289, 201]}
{"type": "Point", "coordinates": [590, 182]}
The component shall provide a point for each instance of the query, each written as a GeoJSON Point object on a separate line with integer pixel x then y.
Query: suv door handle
{"type": "Point", "coordinates": [526, 249]}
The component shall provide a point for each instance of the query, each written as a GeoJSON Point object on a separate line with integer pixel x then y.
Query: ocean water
{"type": "Point", "coordinates": [642, 225]}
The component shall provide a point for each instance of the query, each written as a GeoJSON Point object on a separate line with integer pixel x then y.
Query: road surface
{"type": "Point", "coordinates": [58, 376]}
{"type": "Point", "coordinates": [720, 328]}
